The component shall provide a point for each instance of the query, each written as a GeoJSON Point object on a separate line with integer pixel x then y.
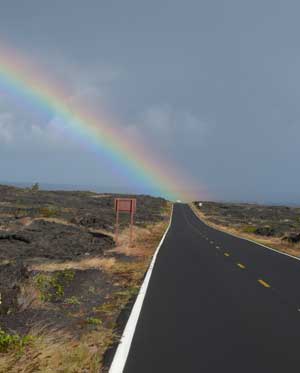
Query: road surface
{"type": "Point", "coordinates": [216, 303]}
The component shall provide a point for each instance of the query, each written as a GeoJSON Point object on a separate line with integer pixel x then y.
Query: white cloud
{"type": "Point", "coordinates": [163, 125]}
{"type": "Point", "coordinates": [81, 83]}
{"type": "Point", "coordinates": [6, 130]}
{"type": "Point", "coordinates": [20, 134]}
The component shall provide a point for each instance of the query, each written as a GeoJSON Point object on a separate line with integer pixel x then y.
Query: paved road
{"type": "Point", "coordinates": [217, 303]}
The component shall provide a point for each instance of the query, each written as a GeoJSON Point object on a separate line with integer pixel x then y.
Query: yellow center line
{"type": "Point", "coordinates": [241, 265]}
{"type": "Point", "coordinates": [226, 254]}
{"type": "Point", "coordinates": [264, 283]}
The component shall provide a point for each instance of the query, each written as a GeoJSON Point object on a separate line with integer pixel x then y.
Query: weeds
{"type": "Point", "coordinates": [92, 290]}
{"type": "Point", "coordinates": [93, 321]}
{"type": "Point", "coordinates": [49, 211]}
{"type": "Point", "coordinates": [51, 287]}
{"type": "Point", "coordinates": [72, 300]}
{"type": "Point", "coordinates": [249, 229]}
{"type": "Point", "coordinates": [35, 187]}
{"type": "Point", "coordinates": [13, 341]}
{"type": "Point", "coordinates": [118, 301]}
{"type": "Point", "coordinates": [54, 351]}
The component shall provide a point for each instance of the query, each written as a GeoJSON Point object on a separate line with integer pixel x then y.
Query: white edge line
{"type": "Point", "coordinates": [245, 239]}
{"type": "Point", "coordinates": [122, 352]}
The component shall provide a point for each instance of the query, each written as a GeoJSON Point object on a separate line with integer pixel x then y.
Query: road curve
{"type": "Point", "coordinates": [217, 303]}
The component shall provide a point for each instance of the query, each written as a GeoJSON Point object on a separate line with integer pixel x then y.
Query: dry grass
{"type": "Point", "coordinates": [5, 203]}
{"type": "Point", "coordinates": [273, 242]}
{"type": "Point", "coordinates": [101, 196]}
{"type": "Point", "coordinates": [66, 222]}
{"type": "Point", "coordinates": [56, 351]}
{"type": "Point", "coordinates": [144, 240]}
{"type": "Point", "coordinates": [4, 261]}
{"type": "Point", "coordinates": [102, 231]}
{"type": "Point", "coordinates": [26, 220]}
{"type": "Point", "coordinates": [29, 296]}
{"type": "Point", "coordinates": [90, 263]}
{"type": "Point", "coordinates": [55, 220]}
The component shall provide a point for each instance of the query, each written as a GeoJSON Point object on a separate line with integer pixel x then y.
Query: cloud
{"type": "Point", "coordinates": [87, 84]}
{"type": "Point", "coordinates": [18, 134]}
{"type": "Point", "coordinates": [6, 130]}
{"type": "Point", "coordinates": [167, 127]}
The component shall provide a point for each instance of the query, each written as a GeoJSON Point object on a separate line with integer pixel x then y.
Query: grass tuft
{"type": "Point", "coordinates": [52, 286]}
{"type": "Point", "coordinates": [93, 321]}
{"type": "Point", "coordinates": [10, 342]}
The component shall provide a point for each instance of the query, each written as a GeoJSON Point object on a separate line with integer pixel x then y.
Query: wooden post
{"type": "Point", "coordinates": [131, 227]}
{"type": "Point", "coordinates": [117, 227]}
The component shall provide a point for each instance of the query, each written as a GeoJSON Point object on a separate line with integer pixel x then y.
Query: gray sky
{"type": "Point", "coordinates": [213, 86]}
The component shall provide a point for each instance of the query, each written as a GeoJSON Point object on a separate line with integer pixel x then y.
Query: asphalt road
{"type": "Point", "coordinates": [216, 303]}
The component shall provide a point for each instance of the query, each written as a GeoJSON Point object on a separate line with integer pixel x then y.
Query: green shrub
{"type": "Point", "coordinates": [35, 187]}
{"type": "Point", "coordinates": [10, 341]}
{"type": "Point", "coordinates": [249, 229]}
{"type": "Point", "coordinates": [93, 321]}
{"type": "Point", "coordinates": [72, 300]}
{"type": "Point", "coordinates": [52, 286]}
{"type": "Point", "coordinates": [48, 212]}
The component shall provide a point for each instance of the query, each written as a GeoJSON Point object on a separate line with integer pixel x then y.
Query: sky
{"type": "Point", "coordinates": [211, 87]}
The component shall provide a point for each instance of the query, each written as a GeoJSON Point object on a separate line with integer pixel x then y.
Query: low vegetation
{"type": "Point", "coordinates": [49, 211]}
{"type": "Point", "coordinates": [51, 286]}
{"type": "Point", "coordinates": [94, 321]}
{"type": "Point", "coordinates": [13, 342]}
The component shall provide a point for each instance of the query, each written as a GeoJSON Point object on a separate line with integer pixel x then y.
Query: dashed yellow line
{"type": "Point", "coordinates": [226, 254]}
{"type": "Point", "coordinates": [241, 265]}
{"type": "Point", "coordinates": [264, 283]}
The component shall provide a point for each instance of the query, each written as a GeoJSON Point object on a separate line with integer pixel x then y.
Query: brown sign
{"type": "Point", "coordinates": [125, 205]}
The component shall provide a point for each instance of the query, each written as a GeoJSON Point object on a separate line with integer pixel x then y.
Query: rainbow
{"type": "Point", "coordinates": [20, 78]}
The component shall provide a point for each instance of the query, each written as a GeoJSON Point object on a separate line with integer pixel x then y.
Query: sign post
{"type": "Point", "coordinates": [127, 205]}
